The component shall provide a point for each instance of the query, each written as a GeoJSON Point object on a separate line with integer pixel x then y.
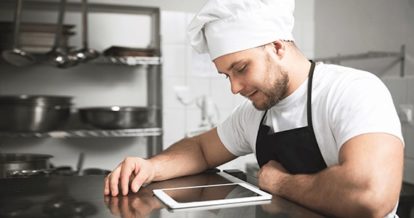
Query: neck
{"type": "Point", "coordinates": [298, 71]}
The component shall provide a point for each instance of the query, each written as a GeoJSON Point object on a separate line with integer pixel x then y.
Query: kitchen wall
{"type": "Point", "coordinates": [354, 27]}
{"type": "Point", "coordinates": [95, 85]}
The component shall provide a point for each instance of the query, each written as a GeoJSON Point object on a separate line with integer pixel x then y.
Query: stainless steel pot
{"type": "Point", "coordinates": [10, 162]}
{"type": "Point", "coordinates": [117, 117]}
{"type": "Point", "coordinates": [40, 100]}
{"type": "Point", "coordinates": [25, 113]}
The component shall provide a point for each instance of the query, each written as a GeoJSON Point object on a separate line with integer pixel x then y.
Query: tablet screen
{"type": "Point", "coordinates": [210, 193]}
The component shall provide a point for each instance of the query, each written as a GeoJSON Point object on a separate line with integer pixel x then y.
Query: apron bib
{"type": "Point", "coordinates": [296, 149]}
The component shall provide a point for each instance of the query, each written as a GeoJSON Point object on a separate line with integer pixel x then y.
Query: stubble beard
{"type": "Point", "coordinates": [276, 92]}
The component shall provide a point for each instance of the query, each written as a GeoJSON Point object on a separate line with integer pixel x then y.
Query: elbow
{"type": "Point", "coordinates": [373, 204]}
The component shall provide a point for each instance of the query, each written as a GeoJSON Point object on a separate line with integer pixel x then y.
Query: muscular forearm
{"type": "Point", "coordinates": [183, 158]}
{"type": "Point", "coordinates": [336, 191]}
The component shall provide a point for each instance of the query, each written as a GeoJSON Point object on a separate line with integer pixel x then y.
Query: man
{"type": "Point", "coordinates": [325, 136]}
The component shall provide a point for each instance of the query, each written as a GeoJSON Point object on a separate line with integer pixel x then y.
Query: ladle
{"type": "Point", "coordinates": [85, 54]}
{"type": "Point", "coordinates": [58, 56]}
{"type": "Point", "coordinates": [17, 56]}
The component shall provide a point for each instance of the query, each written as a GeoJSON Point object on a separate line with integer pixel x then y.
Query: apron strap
{"type": "Point", "coordinates": [309, 97]}
{"type": "Point", "coordinates": [309, 100]}
{"type": "Point", "coordinates": [264, 115]}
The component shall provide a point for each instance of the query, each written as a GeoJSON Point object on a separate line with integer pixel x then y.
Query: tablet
{"type": "Point", "coordinates": [235, 192]}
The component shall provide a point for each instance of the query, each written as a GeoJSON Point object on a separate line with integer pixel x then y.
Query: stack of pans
{"type": "Point", "coordinates": [33, 113]}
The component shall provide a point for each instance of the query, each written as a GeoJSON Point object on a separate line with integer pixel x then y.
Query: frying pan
{"type": "Point", "coordinates": [116, 117]}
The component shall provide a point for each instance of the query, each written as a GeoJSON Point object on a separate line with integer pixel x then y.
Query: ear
{"type": "Point", "coordinates": [279, 48]}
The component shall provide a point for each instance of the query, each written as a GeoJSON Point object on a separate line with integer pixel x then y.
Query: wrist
{"type": "Point", "coordinates": [281, 186]}
{"type": "Point", "coordinates": [156, 175]}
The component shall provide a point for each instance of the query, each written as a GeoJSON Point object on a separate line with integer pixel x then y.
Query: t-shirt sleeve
{"type": "Point", "coordinates": [364, 106]}
{"type": "Point", "coordinates": [233, 132]}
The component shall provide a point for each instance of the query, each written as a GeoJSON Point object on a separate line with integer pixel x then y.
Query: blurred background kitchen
{"type": "Point", "coordinates": [183, 86]}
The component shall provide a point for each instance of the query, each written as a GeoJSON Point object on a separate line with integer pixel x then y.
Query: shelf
{"type": "Point", "coordinates": [126, 61]}
{"type": "Point", "coordinates": [87, 133]}
{"type": "Point", "coordinates": [129, 61]}
{"type": "Point", "coordinates": [400, 57]}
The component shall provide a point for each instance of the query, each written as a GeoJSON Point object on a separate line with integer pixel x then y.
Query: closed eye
{"type": "Point", "coordinates": [241, 70]}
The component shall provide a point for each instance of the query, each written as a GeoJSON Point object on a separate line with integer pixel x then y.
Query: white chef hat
{"type": "Point", "coordinates": [226, 26]}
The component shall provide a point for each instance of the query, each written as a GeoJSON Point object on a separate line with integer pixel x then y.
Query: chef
{"type": "Point", "coordinates": [325, 136]}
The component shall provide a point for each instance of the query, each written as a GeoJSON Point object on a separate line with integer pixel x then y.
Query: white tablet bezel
{"type": "Point", "coordinates": [171, 203]}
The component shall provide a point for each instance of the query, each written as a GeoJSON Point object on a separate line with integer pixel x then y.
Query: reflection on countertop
{"type": "Point", "coordinates": [82, 196]}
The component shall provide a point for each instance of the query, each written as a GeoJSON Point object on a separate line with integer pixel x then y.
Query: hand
{"type": "Point", "coordinates": [271, 175]}
{"type": "Point", "coordinates": [133, 171]}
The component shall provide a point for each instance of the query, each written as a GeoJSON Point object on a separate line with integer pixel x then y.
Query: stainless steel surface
{"type": "Point", "coordinates": [39, 100]}
{"type": "Point", "coordinates": [117, 117]}
{"type": "Point", "coordinates": [154, 98]}
{"type": "Point", "coordinates": [64, 192]}
{"type": "Point", "coordinates": [17, 56]}
{"type": "Point", "coordinates": [33, 113]}
{"type": "Point", "coordinates": [10, 162]}
{"type": "Point", "coordinates": [85, 53]}
{"type": "Point", "coordinates": [59, 56]}
{"type": "Point", "coordinates": [141, 132]}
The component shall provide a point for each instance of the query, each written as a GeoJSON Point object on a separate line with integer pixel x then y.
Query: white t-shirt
{"type": "Point", "coordinates": [345, 103]}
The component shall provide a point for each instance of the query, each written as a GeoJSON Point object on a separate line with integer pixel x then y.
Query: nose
{"type": "Point", "coordinates": [236, 85]}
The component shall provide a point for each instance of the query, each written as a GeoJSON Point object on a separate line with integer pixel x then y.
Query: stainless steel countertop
{"type": "Point", "coordinates": [82, 196]}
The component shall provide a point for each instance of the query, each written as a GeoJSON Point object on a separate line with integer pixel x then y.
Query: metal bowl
{"type": "Point", "coordinates": [116, 117]}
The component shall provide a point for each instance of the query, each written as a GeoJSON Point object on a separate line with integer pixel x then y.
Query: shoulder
{"type": "Point", "coordinates": [338, 81]}
{"type": "Point", "coordinates": [342, 73]}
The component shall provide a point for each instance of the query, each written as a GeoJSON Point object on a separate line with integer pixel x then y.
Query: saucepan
{"type": "Point", "coordinates": [10, 162]}
{"type": "Point", "coordinates": [117, 117]}
{"type": "Point", "coordinates": [33, 113]}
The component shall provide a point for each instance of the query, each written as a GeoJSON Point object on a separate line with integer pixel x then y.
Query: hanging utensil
{"type": "Point", "coordinates": [85, 54]}
{"type": "Point", "coordinates": [17, 56]}
{"type": "Point", "coordinates": [59, 56]}
{"type": "Point", "coordinates": [79, 165]}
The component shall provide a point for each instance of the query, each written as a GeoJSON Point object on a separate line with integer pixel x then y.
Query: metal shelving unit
{"type": "Point", "coordinates": [400, 57]}
{"type": "Point", "coordinates": [153, 68]}
{"type": "Point", "coordinates": [87, 133]}
{"type": "Point", "coordinates": [129, 61]}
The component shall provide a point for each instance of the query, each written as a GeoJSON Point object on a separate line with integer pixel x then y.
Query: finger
{"type": "Point", "coordinates": [137, 182]}
{"type": "Point", "coordinates": [114, 180]}
{"type": "Point", "coordinates": [106, 185]}
{"type": "Point", "coordinates": [126, 171]}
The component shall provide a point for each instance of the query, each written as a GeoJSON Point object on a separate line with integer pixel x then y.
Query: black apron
{"type": "Point", "coordinates": [296, 149]}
